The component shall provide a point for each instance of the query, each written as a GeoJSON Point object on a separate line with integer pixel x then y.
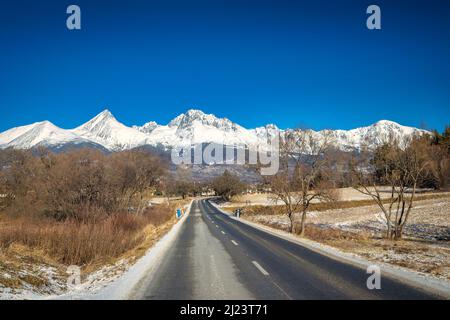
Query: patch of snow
{"type": "Point", "coordinates": [54, 284]}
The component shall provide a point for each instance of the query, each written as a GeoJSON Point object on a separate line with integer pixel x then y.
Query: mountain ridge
{"type": "Point", "coordinates": [189, 128]}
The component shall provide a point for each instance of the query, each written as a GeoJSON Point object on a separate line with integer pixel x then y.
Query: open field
{"type": "Point", "coordinates": [357, 226]}
{"type": "Point", "coordinates": [342, 194]}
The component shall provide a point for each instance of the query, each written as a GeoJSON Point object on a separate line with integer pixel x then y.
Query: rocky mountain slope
{"type": "Point", "coordinates": [190, 128]}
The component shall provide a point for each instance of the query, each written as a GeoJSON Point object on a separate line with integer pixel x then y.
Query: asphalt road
{"type": "Point", "coordinates": [217, 257]}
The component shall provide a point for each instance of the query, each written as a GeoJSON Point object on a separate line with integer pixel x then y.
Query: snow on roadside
{"type": "Point", "coordinates": [53, 283]}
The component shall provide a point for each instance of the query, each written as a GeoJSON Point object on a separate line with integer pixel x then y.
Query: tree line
{"type": "Point", "coordinates": [76, 184]}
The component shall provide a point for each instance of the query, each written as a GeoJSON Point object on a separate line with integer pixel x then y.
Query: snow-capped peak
{"type": "Point", "coordinates": [188, 116]}
{"type": "Point", "coordinates": [386, 123]}
{"type": "Point", "coordinates": [39, 133]}
{"type": "Point", "coordinates": [195, 116]}
{"type": "Point", "coordinates": [267, 131]}
{"type": "Point", "coordinates": [99, 120]}
{"type": "Point", "coordinates": [147, 128]}
{"type": "Point", "coordinates": [104, 129]}
{"type": "Point", "coordinates": [105, 113]}
{"type": "Point", "coordinates": [372, 135]}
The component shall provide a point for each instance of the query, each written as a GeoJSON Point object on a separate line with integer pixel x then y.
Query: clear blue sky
{"type": "Point", "coordinates": [310, 63]}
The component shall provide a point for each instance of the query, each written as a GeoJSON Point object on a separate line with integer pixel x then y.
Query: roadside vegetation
{"type": "Point", "coordinates": [80, 208]}
{"type": "Point", "coordinates": [403, 167]}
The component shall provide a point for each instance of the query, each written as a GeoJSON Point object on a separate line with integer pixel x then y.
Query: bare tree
{"type": "Point", "coordinates": [227, 185]}
{"type": "Point", "coordinates": [136, 172]}
{"type": "Point", "coordinates": [398, 166]}
{"type": "Point", "coordinates": [304, 173]}
{"type": "Point", "coordinates": [68, 184]}
{"type": "Point", "coordinates": [179, 184]}
{"type": "Point", "coordinates": [440, 167]}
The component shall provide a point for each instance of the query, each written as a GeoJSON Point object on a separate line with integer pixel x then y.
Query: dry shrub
{"type": "Point", "coordinates": [80, 206]}
{"type": "Point", "coordinates": [67, 185]}
{"type": "Point", "coordinates": [83, 242]}
{"type": "Point", "coordinates": [158, 215]}
{"type": "Point", "coordinates": [319, 233]}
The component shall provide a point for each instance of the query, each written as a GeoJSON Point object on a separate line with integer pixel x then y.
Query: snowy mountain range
{"type": "Point", "coordinates": [193, 127]}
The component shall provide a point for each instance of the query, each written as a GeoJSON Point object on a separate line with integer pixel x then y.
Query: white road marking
{"type": "Point", "coordinates": [234, 242]}
{"type": "Point", "coordinates": [223, 232]}
{"type": "Point", "coordinates": [264, 272]}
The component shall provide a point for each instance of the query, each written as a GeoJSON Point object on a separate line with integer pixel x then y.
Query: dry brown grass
{"type": "Point", "coordinates": [330, 234]}
{"type": "Point", "coordinates": [20, 265]}
{"type": "Point", "coordinates": [316, 233]}
{"type": "Point", "coordinates": [87, 242]}
{"type": "Point", "coordinates": [10, 282]}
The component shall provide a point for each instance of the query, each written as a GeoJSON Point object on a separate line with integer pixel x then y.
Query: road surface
{"type": "Point", "coordinates": [218, 257]}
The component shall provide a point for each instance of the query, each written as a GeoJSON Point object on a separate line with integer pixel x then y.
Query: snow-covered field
{"type": "Point", "coordinates": [426, 243]}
